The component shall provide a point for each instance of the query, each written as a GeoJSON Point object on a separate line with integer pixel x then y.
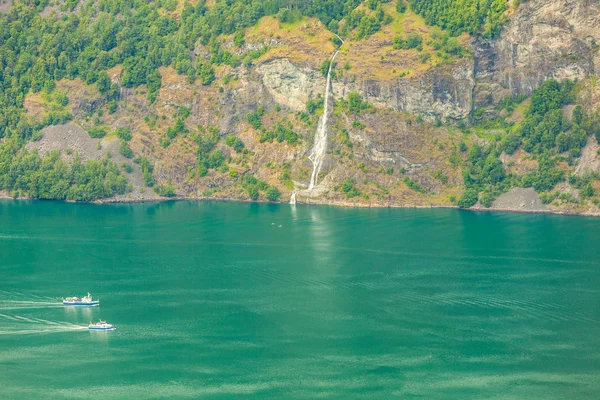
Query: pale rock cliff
{"type": "Point", "coordinates": [543, 39]}
{"type": "Point", "coordinates": [289, 84]}
{"type": "Point", "coordinates": [442, 92]}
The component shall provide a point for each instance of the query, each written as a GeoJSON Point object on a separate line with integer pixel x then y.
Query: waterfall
{"type": "Point", "coordinates": [320, 145]}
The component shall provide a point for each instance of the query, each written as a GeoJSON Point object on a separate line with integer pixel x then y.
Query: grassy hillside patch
{"type": "Point", "coordinates": [379, 57]}
{"type": "Point", "coordinates": [306, 41]}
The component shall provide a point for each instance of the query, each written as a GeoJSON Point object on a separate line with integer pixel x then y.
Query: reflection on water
{"type": "Point", "coordinates": [82, 314]}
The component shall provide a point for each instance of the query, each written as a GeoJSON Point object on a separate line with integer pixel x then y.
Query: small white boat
{"type": "Point", "coordinates": [101, 326]}
{"type": "Point", "coordinates": [81, 301]}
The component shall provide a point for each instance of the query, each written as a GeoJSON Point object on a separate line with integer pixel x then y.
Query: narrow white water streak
{"type": "Point", "coordinates": [44, 330]}
{"type": "Point", "coordinates": [23, 304]}
{"type": "Point", "coordinates": [320, 145]}
{"type": "Point", "coordinates": [25, 326]}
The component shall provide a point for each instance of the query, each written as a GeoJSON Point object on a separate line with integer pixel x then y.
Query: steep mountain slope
{"type": "Point", "coordinates": [543, 39]}
{"type": "Point", "coordinates": [411, 105]}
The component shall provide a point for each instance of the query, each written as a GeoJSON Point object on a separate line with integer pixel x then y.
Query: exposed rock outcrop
{"type": "Point", "coordinates": [5, 6]}
{"type": "Point", "coordinates": [442, 92]}
{"type": "Point", "coordinates": [588, 162]}
{"type": "Point", "coordinates": [290, 84]}
{"type": "Point", "coordinates": [519, 199]}
{"type": "Point", "coordinates": [543, 39]}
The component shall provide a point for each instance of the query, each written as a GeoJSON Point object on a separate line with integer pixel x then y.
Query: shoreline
{"type": "Point", "coordinates": [5, 196]}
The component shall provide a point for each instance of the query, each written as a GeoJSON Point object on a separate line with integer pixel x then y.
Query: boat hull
{"type": "Point", "coordinates": [103, 329]}
{"type": "Point", "coordinates": [81, 303]}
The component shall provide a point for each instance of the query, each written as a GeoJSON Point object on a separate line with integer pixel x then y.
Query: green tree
{"type": "Point", "coordinates": [124, 134]}
{"type": "Point", "coordinates": [272, 193]}
{"type": "Point", "coordinates": [468, 198]}
{"type": "Point", "coordinates": [206, 74]}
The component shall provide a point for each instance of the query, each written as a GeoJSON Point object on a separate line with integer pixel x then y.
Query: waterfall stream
{"type": "Point", "coordinates": [320, 144]}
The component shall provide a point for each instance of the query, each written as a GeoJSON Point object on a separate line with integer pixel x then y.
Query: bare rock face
{"type": "Point", "coordinates": [589, 162]}
{"type": "Point", "coordinates": [289, 84]}
{"type": "Point", "coordinates": [519, 199]}
{"type": "Point", "coordinates": [443, 92]}
{"type": "Point", "coordinates": [544, 39]}
{"type": "Point", "coordinates": [5, 6]}
{"type": "Point", "coordinates": [72, 137]}
{"type": "Point", "coordinates": [246, 98]}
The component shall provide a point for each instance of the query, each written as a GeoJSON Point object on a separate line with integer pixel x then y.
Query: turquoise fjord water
{"type": "Point", "coordinates": [213, 300]}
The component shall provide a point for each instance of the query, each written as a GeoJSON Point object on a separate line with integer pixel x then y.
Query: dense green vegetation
{"type": "Point", "coordinates": [457, 16]}
{"type": "Point", "coordinates": [28, 174]}
{"type": "Point", "coordinates": [38, 49]}
{"type": "Point", "coordinates": [235, 143]}
{"type": "Point", "coordinates": [282, 133]}
{"type": "Point", "coordinates": [413, 41]}
{"type": "Point", "coordinates": [484, 173]}
{"type": "Point", "coordinates": [354, 104]}
{"type": "Point", "coordinates": [254, 186]}
{"type": "Point", "coordinates": [363, 24]}
{"type": "Point", "coordinates": [349, 188]}
{"type": "Point", "coordinates": [147, 169]}
{"type": "Point", "coordinates": [209, 158]}
{"type": "Point", "coordinates": [312, 105]}
{"type": "Point", "coordinates": [546, 134]}
{"type": "Point", "coordinates": [166, 191]}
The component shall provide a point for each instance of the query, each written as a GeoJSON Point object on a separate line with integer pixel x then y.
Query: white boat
{"type": "Point", "coordinates": [81, 301]}
{"type": "Point", "coordinates": [101, 326]}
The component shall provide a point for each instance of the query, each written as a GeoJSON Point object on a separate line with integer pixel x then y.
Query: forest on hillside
{"type": "Point", "coordinates": [42, 42]}
{"type": "Point", "coordinates": [86, 38]}
{"type": "Point", "coordinates": [36, 50]}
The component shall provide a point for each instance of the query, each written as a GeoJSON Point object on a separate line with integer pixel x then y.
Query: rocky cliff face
{"type": "Point", "coordinates": [543, 39]}
{"type": "Point", "coordinates": [389, 155]}
{"type": "Point", "coordinates": [290, 85]}
{"type": "Point", "coordinates": [443, 92]}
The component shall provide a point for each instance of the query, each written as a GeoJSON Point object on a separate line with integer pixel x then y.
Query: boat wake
{"type": "Point", "coordinates": [17, 300]}
{"type": "Point", "coordinates": [24, 326]}
{"type": "Point", "coordinates": [24, 304]}
{"type": "Point", "coordinates": [39, 330]}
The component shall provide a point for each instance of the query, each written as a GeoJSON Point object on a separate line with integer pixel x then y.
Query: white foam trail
{"type": "Point", "coordinates": [29, 304]}
{"type": "Point", "coordinates": [27, 296]}
{"type": "Point", "coordinates": [45, 321]}
{"type": "Point", "coordinates": [26, 307]}
{"type": "Point", "coordinates": [59, 329]}
{"type": "Point", "coordinates": [25, 319]}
